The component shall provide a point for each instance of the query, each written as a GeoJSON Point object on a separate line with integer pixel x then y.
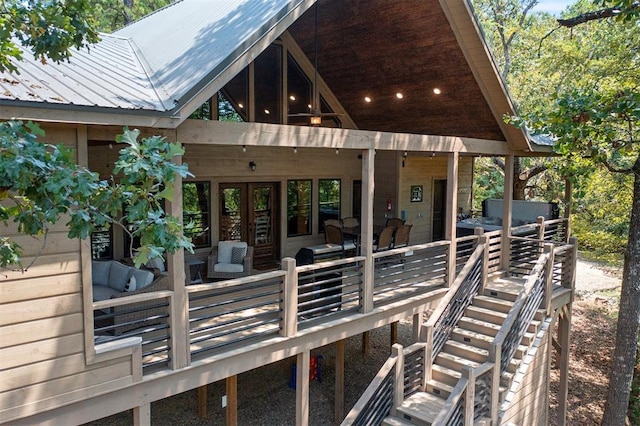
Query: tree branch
{"type": "Point", "coordinates": [595, 15]}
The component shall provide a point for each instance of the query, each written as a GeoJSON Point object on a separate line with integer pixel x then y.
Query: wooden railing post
{"type": "Point", "coordinates": [540, 223]}
{"type": "Point", "coordinates": [428, 358]}
{"type": "Point", "coordinates": [469, 400]}
{"type": "Point", "coordinates": [289, 304]}
{"type": "Point", "coordinates": [482, 239]}
{"type": "Point", "coordinates": [548, 279]}
{"type": "Point", "coordinates": [398, 386]}
{"type": "Point", "coordinates": [574, 262]}
{"type": "Point", "coordinates": [495, 353]}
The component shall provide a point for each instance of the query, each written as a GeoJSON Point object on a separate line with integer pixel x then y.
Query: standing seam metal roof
{"type": "Point", "coordinates": [152, 64]}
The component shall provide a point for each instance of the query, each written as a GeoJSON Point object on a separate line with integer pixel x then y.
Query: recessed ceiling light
{"type": "Point", "coordinates": [437, 91]}
{"type": "Point", "coordinates": [399, 95]}
{"type": "Point", "coordinates": [266, 111]}
{"type": "Point", "coordinates": [292, 98]}
{"type": "Point", "coordinates": [367, 99]}
{"type": "Point", "coordinates": [240, 106]}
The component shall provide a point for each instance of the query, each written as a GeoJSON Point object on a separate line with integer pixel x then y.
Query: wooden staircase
{"type": "Point", "coordinates": [468, 345]}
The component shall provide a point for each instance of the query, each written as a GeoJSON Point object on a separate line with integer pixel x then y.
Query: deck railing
{"type": "Point", "coordinates": [464, 249]}
{"type": "Point", "coordinates": [406, 271]}
{"type": "Point", "coordinates": [145, 315]}
{"type": "Point", "coordinates": [234, 311]}
{"type": "Point", "coordinates": [328, 288]}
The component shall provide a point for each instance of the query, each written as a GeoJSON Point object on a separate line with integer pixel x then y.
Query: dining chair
{"type": "Point", "coordinates": [385, 239]}
{"type": "Point", "coordinates": [401, 238]}
{"type": "Point", "coordinates": [350, 222]}
{"type": "Point", "coordinates": [395, 222]}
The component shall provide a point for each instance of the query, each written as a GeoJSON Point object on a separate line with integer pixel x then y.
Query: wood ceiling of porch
{"type": "Point", "coordinates": [378, 48]}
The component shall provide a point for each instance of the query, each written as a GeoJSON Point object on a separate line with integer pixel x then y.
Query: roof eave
{"type": "Point", "coordinates": [85, 115]}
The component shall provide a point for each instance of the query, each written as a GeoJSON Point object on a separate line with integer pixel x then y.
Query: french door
{"type": "Point", "coordinates": [250, 212]}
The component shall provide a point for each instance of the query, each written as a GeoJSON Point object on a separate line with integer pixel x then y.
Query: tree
{"type": "Point", "coordinates": [114, 14]}
{"type": "Point", "coordinates": [505, 22]}
{"type": "Point", "coordinates": [600, 119]}
{"type": "Point", "coordinates": [49, 28]}
{"type": "Point", "coordinates": [40, 183]}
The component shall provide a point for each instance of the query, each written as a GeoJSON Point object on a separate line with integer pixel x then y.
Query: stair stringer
{"type": "Point", "coordinates": [527, 398]}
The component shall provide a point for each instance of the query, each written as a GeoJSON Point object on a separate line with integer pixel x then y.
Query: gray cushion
{"type": "Point", "coordinates": [101, 292]}
{"type": "Point", "coordinates": [100, 273]}
{"type": "Point", "coordinates": [143, 278]}
{"type": "Point", "coordinates": [228, 267]}
{"type": "Point", "coordinates": [225, 248]}
{"type": "Point", "coordinates": [119, 276]}
{"type": "Point", "coordinates": [238, 254]}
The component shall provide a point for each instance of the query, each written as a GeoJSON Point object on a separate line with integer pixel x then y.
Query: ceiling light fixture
{"type": "Point", "coordinates": [437, 91]}
{"type": "Point", "coordinates": [367, 99]}
{"type": "Point", "coordinates": [399, 95]}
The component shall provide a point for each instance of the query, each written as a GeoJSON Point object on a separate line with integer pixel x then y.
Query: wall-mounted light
{"type": "Point", "coordinates": [244, 148]}
{"type": "Point", "coordinates": [252, 166]}
{"type": "Point", "coordinates": [337, 151]}
{"type": "Point", "coordinates": [295, 149]}
{"type": "Point", "coordinates": [315, 120]}
{"type": "Point", "coordinates": [404, 157]}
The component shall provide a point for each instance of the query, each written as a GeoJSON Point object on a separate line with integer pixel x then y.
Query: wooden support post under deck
{"type": "Point", "coordinates": [394, 333]}
{"type": "Point", "coordinates": [232, 401]}
{"type": "Point", "coordinates": [507, 212]}
{"type": "Point", "coordinates": [302, 388]}
{"type": "Point", "coordinates": [564, 331]}
{"type": "Point", "coordinates": [452, 211]}
{"type": "Point", "coordinates": [339, 382]}
{"type": "Point", "coordinates": [203, 412]}
{"type": "Point", "coordinates": [366, 239]}
{"type": "Point", "coordinates": [417, 326]}
{"type": "Point", "coordinates": [142, 415]}
{"type": "Point", "coordinates": [366, 337]}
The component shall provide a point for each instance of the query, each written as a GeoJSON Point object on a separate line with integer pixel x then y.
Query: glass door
{"type": "Point", "coordinates": [249, 212]}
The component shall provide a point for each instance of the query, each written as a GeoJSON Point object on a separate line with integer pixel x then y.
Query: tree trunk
{"type": "Point", "coordinates": [624, 355]}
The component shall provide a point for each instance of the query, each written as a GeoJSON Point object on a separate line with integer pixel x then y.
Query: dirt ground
{"type": "Point", "coordinates": [592, 341]}
{"type": "Point", "coordinates": [267, 399]}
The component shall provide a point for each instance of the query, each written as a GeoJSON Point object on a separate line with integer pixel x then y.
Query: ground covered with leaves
{"type": "Point", "coordinates": [592, 343]}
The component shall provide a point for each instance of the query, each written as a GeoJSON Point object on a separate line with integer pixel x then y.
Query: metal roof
{"type": "Point", "coordinates": [109, 74]}
{"type": "Point", "coordinates": [155, 64]}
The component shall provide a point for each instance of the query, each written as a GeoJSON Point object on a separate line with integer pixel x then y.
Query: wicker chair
{"type": "Point", "coordinates": [401, 238]}
{"type": "Point", "coordinates": [385, 239]}
{"type": "Point", "coordinates": [395, 222]}
{"type": "Point", "coordinates": [220, 266]}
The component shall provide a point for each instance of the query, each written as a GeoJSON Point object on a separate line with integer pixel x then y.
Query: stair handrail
{"type": "Point", "coordinates": [459, 408]}
{"type": "Point", "coordinates": [381, 390]}
{"type": "Point", "coordinates": [451, 307]}
{"type": "Point", "coordinates": [520, 316]}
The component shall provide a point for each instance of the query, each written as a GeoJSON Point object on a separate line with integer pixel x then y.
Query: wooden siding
{"type": "Point", "coordinates": [529, 404]}
{"type": "Point", "coordinates": [42, 352]}
{"type": "Point", "coordinates": [423, 170]}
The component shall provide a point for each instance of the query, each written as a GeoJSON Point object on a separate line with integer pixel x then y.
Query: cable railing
{"type": "Point", "coordinates": [410, 270]}
{"type": "Point", "coordinates": [235, 311]}
{"type": "Point", "coordinates": [451, 307]}
{"type": "Point", "coordinates": [144, 315]}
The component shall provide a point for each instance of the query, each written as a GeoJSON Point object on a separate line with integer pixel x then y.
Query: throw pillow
{"type": "Point", "coordinates": [131, 285]}
{"type": "Point", "coordinates": [238, 254]}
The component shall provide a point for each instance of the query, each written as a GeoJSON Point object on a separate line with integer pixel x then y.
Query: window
{"type": "Point", "coordinates": [328, 201]}
{"type": "Point", "coordinates": [102, 243]}
{"type": "Point", "coordinates": [233, 99]}
{"type": "Point", "coordinates": [299, 93]}
{"type": "Point", "coordinates": [196, 200]}
{"type": "Point", "coordinates": [267, 85]}
{"type": "Point", "coordinates": [298, 207]}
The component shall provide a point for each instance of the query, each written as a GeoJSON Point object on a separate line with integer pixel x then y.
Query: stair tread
{"type": "Point", "coordinates": [457, 359]}
{"type": "Point", "coordinates": [396, 421]}
{"type": "Point", "coordinates": [422, 406]}
{"type": "Point", "coordinates": [448, 371]}
{"type": "Point", "coordinates": [440, 385]}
